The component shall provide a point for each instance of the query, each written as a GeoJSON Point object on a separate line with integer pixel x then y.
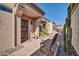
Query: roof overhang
{"type": "Point", "coordinates": [43, 20]}
{"type": "Point", "coordinates": [31, 10]}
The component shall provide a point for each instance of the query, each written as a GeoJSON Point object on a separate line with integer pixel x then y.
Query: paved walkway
{"type": "Point", "coordinates": [61, 47]}
{"type": "Point", "coordinates": [29, 47]}
{"type": "Point", "coordinates": [47, 43]}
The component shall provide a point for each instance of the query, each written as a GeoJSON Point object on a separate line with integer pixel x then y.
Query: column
{"type": "Point", "coordinates": [18, 15]}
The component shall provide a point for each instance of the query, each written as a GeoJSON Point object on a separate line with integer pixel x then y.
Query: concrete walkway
{"type": "Point", "coordinates": [61, 47]}
{"type": "Point", "coordinates": [40, 53]}
{"type": "Point", "coordinates": [61, 51]}
{"type": "Point", "coordinates": [30, 46]}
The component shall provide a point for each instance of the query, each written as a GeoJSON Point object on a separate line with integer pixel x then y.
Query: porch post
{"type": "Point", "coordinates": [18, 15]}
{"type": "Point", "coordinates": [37, 27]}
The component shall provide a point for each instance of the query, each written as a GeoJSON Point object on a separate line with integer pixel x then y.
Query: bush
{"type": "Point", "coordinates": [64, 38]}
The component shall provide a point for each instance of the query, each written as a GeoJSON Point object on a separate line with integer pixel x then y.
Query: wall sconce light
{"type": "Point", "coordinates": [31, 23]}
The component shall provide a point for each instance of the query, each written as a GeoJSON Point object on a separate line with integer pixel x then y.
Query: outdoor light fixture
{"type": "Point", "coordinates": [31, 23]}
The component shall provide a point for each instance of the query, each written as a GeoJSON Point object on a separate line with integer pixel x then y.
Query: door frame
{"type": "Point", "coordinates": [27, 28]}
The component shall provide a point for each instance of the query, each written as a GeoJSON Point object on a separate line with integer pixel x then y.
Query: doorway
{"type": "Point", "coordinates": [24, 30]}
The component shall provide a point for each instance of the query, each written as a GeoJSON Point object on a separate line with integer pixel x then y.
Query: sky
{"type": "Point", "coordinates": [56, 12]}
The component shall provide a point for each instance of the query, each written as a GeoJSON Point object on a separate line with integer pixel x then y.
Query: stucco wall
{"type": "Point", "coordinates": [6, 30]}
{"type": "Point", "coordinates": [75, 29]}
{"type": "Point", "coordinates": [33, 28]}
{"type": "Point", "coordinates": [18, 30]}
{"type": "Point", "coordinates": [50, 27]}
{"type": "Point", "coordinates": [37, 27]}
{"type": "Point", "coordinates": [30, 29]}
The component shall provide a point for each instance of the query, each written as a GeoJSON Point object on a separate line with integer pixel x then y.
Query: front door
{"type": "Point", "coordinates": [24, 30]}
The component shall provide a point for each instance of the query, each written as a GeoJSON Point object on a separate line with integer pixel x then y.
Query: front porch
{"type": "Point", "coordinates": [30, 46]}
{"type": "Point", "coordinates": [27, 18]}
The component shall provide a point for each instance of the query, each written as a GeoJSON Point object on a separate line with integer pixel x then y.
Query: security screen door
{"type": "Point", "coordinates": [24, 30]}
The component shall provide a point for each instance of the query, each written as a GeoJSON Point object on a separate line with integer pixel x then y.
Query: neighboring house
{"type": "Point", "coordinates": [43, 27]}
{"type": "Point", "coordinates": [18, 23]}
{"type": "Point", "coordinates": [74, 8]}
{"type": "Point", "coordinates": [51, 27]}
{"type": "Point", "coordinates": [59, 28]}
{"type": "Point", "coordinates": [54, 25]}
{"type": "Point", "coordinates": [46, 26]}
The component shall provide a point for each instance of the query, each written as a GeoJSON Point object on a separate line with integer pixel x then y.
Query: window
{"type": "Point", "coordinates": [6, 9]}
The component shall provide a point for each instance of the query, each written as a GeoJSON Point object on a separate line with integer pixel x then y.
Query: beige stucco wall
{"type": "Point", "coordinates": [37, 22]}
{"type": "Point", "coordinates": [34, 28]}
{"type": "Point", "coordinates": [75, 29]}
{"type": "Point", "coordinates": [18, 30]}
{"type": "Point", "coordinates": [6, 30]}
{"type": "Point", "coordinates": [50, 27]}
{"type": "Point", "coordinates": [30, 29]}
